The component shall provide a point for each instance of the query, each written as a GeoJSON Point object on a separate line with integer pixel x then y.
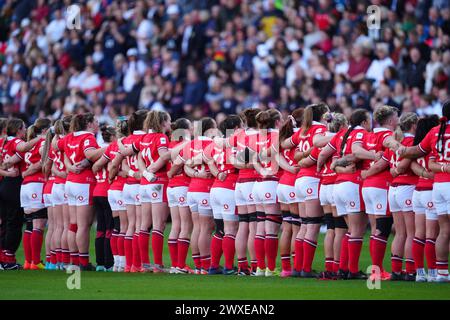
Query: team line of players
{"type": "Point", "coordinates": [231, 194]}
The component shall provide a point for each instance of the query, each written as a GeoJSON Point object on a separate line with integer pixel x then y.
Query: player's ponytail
{"type": "Point", "coordinates": [267, 119]}
{"type": "Point", "coordinates": [40, 125]}
{"type": "Point", "coordinates": [3, 122]}
{"type": "Point", "coordinates": [313, 112]}
{"type": "Point", "coordinates": [336, 121]}
{"type": "Point", "coordinates": [180, 129]}
{"type": "Point", "coordinates": [121, 127]}
{"type": "Point", "coordinates": [358, 116]}
{"type": "Point", "coordinates": [13, 126]}
{"type": "Point", "coordinates": [444, 119]}
{"type": "Point", "coordinates": [80, 122]}
{"type": "Point", "coordinates": [154, 121]}
{"type": "Point", "coordinates": [249, 117]}
{"type": "Point", "coordinates": [382, 114]}
{"type": "Point", "coordinates": [293, 121]}
{"type": "Point", "coordinates": [424, 125]}
{"type": "Point", "coordinates": [136, 120]}
{"type": "Point", "coordinates": [231, 122]}
{"type": "Point", "coordinates": [207, 124]}
{"type": "Point", "coordinates": [65, 123]}
{"type": "Point", "coordinates": [31, 132]}
{"type": "Point", "coordinates": [48, 141]}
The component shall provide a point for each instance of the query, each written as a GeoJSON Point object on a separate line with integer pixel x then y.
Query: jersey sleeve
{"type": "Point", "coordinates": [314, 155]}
{"type": "Point", "coordinates": [185, 153]}
{"type": "Point", "coordinates": [320, 130]}
{"type": "Point", "coordinates": [426, 145]}
{"type": "Point", "coordinates": [386, 135]}
{"type": "Point", "coordinates": [162, 142]}
{"type": "Point", "coordinates": [107, 154]}
{"type": "Point", "coordinates": [295, 138]}
{"type": "Point", "coordinates": [90, 143]}
{"type": "Point", "coordinates": [208, 152]}
{"type": "Point", "coordinates": [21, 155]}
{"type": "Point", "coordinates": [360, 137]}
{"type": "Point", "coordinates": [333, 142]}
{"type": "Point", "coordinates": [387, 155]}
{"type": "Point", "coordinates": [60, 144]}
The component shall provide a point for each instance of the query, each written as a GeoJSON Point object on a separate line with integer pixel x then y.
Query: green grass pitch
{"type": "Point", "coordinates": [95, 285]}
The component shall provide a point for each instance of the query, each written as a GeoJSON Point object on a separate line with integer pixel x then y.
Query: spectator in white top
{"type": "Point", "coordinates": [55, 29]}
{"type": "Point", "coordinates": [40, 70]}
{"type": "Point", "coordinates": [431, 69]}
{"type": "Point", "coordinates": [143, 33]}
{"type": "Point", "coordinates": [135, 69]}
{"type": "Point", "coordinates": [261, 62]}
{"type": "Point", "coordinates": [376, 69]}
{"type": "Point", "coordinates": [91, 80]}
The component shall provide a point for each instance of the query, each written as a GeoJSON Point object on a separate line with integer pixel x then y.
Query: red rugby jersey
{"type": "Point", "coordinates": [58, 159]}
{"type": "Point", "coordinates": [240, 140]}
{"type": "Point", "coordinates": [133, 141]}
{"type": "Point", "coordinates": [289, 178]}
{"type": "Point", "coordinates": [10, 149]}
{"type": "Point", "coordinates": [110, 153]}
{"type": "Point", "coordinates": [31, 157]}
{"type": "Point", "coordinates": [180, 179]}
{"type": "Point", "coordinates": [194, 149]}
{"type": "Point", "coordinates": [374, 143]}
{"type": "Point", "coordinates": [149, 147]}
{"type": "Point", "coordinates": [407, 178]}
{"type": "Point", "coordinates": [221, 157]}
{"type": "Point", "coordinates": [358, 135]}
{"type": "Point", "coordinates": [304, 141]}
{"type": "Point", "coordinates": [430, 144]}
{"type": "Point", "coordinates": [75, 146]}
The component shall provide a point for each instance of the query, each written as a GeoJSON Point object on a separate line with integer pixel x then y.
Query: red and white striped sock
{"type": "Point", "coordinates": [260, 251]}
{"type": "Point", "coordinates": [442, 267]}
{"type": "Point", "coordinates": [173, 251]}
{"type": "Point", "coordinates": [74, 258]}
{"type": "Point", "coordinates": [216, 250]}
{"type": "Point", "coordinates": [229, 250]}
{"type": "Point", "coordinates": [53, 259]}
{"type": "Point", "coordinates": [84, 259]}
{"type": "Point", "coordinates": [144, 240]}
{"type": "Point", "coordinates": [113, 243]}
{"type": "Point", "coordinates": [206, 262]}
{"type": "Point", "coordinates": [271, 248]}
{"type": "Point", "coordinates": [418, 250]}
{"type": "Point", "coordinates": [157, 246]}
{"type": "Point", "coordinates": [354, 251]}
{"type": "Point", "coordinates": [298, 260]}
{"type": "Point", "coordinates": [379, 250]}
{"type": "Point", "coordinates": [136, 251]}
{"type": "Point", "coordinates": [309, 249]}
{"type": "Point", "coordinates": [36, 245]}
{"type": "Point", "coordinates": [397, 263]}
{"type": "Point", "coordinates": [243, 263]}
{"type": "Point", "coordinates": [128, 245]}
{"type": "Point", "coordinates": [343, 264]}
{"type": "Point", "coordinates": [286, 262]}
{"type": "Point", "coordinates": [183, 248]}
{"type": "Point", "coordinates": [26, 240]}
{"type": "Point", "coordinates": [410, 267]}
{"type": "Point", "coordinates": [329, 264]}
{"type": "Point", "coordinates": [197, 261]}
{"type": "Point", "coordinates": [430, 253]}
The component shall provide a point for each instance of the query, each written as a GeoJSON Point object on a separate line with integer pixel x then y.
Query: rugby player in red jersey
{"type": "Point", "coordinates": [307, 187]}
